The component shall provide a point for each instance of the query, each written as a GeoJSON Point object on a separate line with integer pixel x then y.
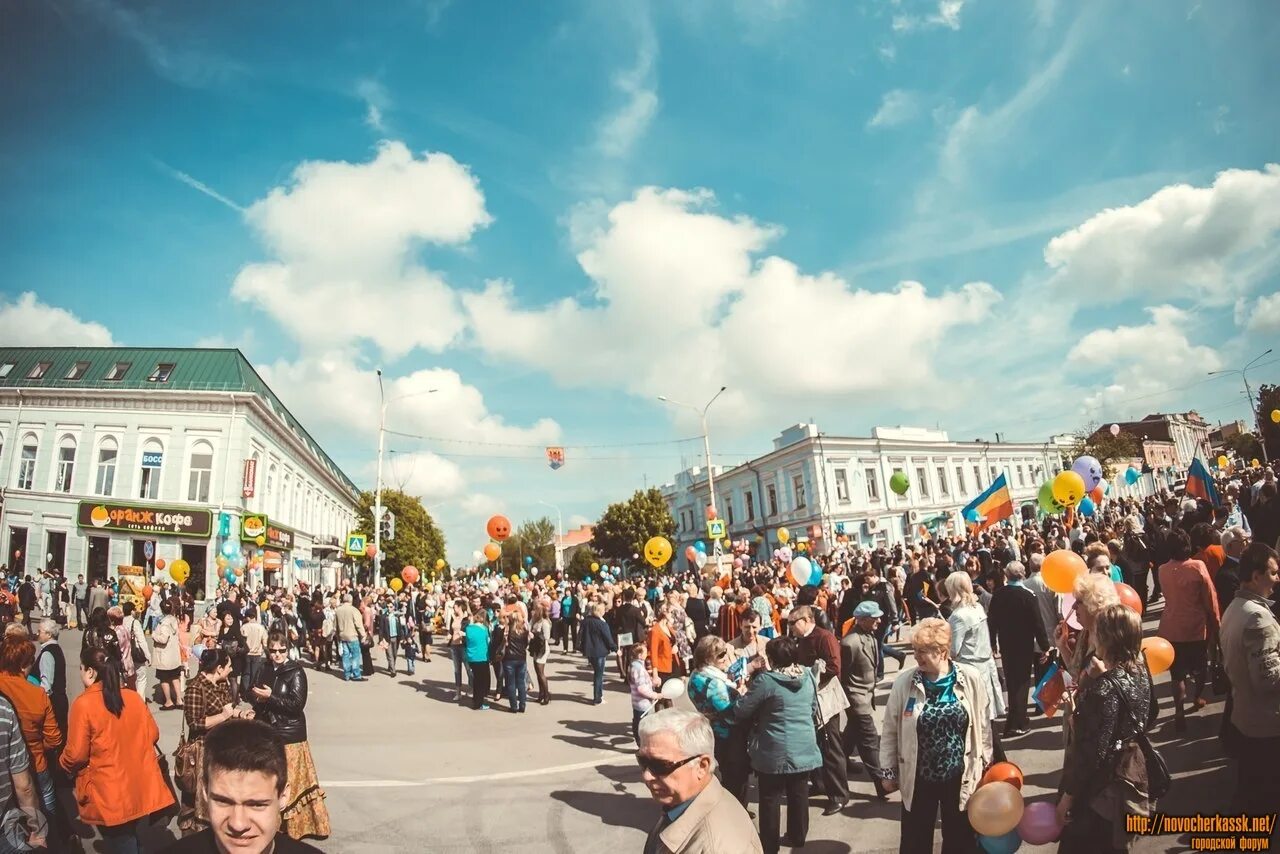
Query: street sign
{"type": "Point", "coordinates": [715, 529]}
{"type": "Point", "coordinates": [148, 549]}
{"type": "Point", "coordinates": [356, 544]}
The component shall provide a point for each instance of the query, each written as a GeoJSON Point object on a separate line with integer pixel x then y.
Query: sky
{"type": "Point", "coordinates": [976, 216]}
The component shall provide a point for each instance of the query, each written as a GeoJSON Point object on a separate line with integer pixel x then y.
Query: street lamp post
{"type": "Point", "coordinates": [559, 535]}
{"type": "Point", "coordinates": [1244, 376]}
{"type": "Point", "coordinates": [706, 447]}
{"type": "Point", "coordinates": [377, 499]}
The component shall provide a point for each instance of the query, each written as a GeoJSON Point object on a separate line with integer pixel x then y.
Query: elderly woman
{"type": "Point", "coordinates": [715, 693]}
{"type": "Point", "coordinates": [780, 704]}
{"type": "Point", "coordinates": [1189, 620]}
{"type": "Point", "coordinates": [971, 645]}
{"type": "Point", "coordinates": [936, 742]}
{"type": "Point", "coordinates": [1104, 777]}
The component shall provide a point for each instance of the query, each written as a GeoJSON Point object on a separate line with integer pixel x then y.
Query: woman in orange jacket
{"type": "Point", "coordinates": [111, 750]}
{"type": "Point", "coordinates": [35, 713]}
{"type": "Point", "coordinates": [660, 648]}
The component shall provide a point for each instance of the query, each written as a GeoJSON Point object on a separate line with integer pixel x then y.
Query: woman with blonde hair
{"type": "Point", "coordinates": [715, 694]}
{"type": "Point", "coordinates": [936, 742]}
{"type": "Point", "coordinates": [513, 640]}
{"type": "Point", "coordinates": [1093, 592]}
{"type": "Point", "coordinates": [971, 644]}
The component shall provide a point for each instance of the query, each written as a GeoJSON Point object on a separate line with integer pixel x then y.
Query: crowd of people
{"type": "Point", "coordinates": [786, 681]}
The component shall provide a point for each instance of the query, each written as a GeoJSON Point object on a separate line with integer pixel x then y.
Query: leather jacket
{"type": "Point", "coordinates": [283, 710]}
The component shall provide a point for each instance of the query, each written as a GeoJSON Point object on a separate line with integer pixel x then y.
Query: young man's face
{"type": "Point", "coordinates": [244, 810]}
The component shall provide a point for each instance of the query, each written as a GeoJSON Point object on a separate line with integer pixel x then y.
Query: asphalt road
{"type": "Point", "coordinates": [408, 769]}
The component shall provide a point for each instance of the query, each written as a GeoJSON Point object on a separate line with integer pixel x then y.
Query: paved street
{"type": "Point", "coordinates": [408, 769]}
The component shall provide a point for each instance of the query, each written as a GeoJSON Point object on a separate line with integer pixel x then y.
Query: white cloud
{"type": "Point", "coordinates": [198, 186]}
{"type": "Point", "coordinates": [946, 15]}
{"type": "Point", "coordinates": [681, 306]}
{"type": "Point", "coordinates": [888, 52]}
{"type": "Point", "coordinates": [346, 236]}
{"type": "Point", "coordinates": [376, 101]}
{"type": "Point", "coordinates": [1145, 359]}
{"type": "Point", "coordinates": [620, 130]}
{"type": "Point", "coordinates": [1264, 316]}
{"type": "Point", "coordinates": [27, 322]}
{"type": "Point", "coordinates": [897, 106]}
{"type": "Point", "coordinates": [1182, 241]}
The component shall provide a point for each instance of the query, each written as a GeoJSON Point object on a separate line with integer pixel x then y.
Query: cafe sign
{"type": "Point", "coordinates": [255, 525]}
{"type": "Point", "coordinates": [135, 518]}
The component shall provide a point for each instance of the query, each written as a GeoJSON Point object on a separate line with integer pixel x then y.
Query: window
{"type": "Point", "coordinates": [751, 505]}
{"type": "Point", "coordinates": [960, 481]}
{"type": "Point", "coordinates": [873, 485]}
{"type": "Point", "coordinates": [842, 485]}
{"type": "Point", "coordinates": [797, 486]}
{"type": "Point", "coordinates": [773, 499]}
{"type": "Point", "coordinates": [977, 477]}
{"type": "Point", "coordinates": [161, 373]}
{"type": "Point", "coordinates": [286, 493]}
{"type": "Point", "coordinates": [38, 371]}
{"type": "Point", "coordinates": [1019, 470]}
{"type": "Point", "coordinates": [728, 509]}
{"type": "Point", "coordinates": [268, 503]}
{"type": "Point", "coordinates": [27, 466]}
{"type": "Point", "coordinates": [993, 472]}
{"type": "Point", "coordinates": [149, 479]}
{"type": "Point", "coordinates": [117, 372]}
{"type": "Point", "coordinates": [922, 480]}
{"type": "Point", "coordinates": [105, 482]}
{"type": "Point", "coordinates": [198, 481]}
{"type": "Point", "coordinates": [942, 482]}
{"type": "Point", "coordinates": [77, 371]}
{"type": "Point", "coordinates": [5, 369]}
{"type": "Point", "coordinates": [66, 464]}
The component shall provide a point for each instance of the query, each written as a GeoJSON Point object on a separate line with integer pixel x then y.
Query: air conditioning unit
{"type": "Point", "coordinates": [913, 516]}
{"type": "Point", "coordinates": [872, 525]}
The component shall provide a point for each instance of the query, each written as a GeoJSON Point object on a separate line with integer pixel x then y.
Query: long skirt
{"type": "Point", "coordinates": [193, 815]}
{"type": "Point", "coordinates": [305, 814]}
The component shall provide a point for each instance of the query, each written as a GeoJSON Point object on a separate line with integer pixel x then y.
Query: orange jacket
{"type": "Point", "coordinates": [660, 650]}
{"type": "Point", "coordinates": [114, 759]}
{"type": "Point", "coordinates": [39, 728]}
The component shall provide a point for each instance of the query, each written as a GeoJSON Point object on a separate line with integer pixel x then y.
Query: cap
{"type": "Point", "coordinates": [867, 609]}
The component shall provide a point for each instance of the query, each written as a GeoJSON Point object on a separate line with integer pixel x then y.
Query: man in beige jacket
{"type": "Point", "coordinates": [677, 755]}
{"type": "Point", "coordinates": [349, 625]}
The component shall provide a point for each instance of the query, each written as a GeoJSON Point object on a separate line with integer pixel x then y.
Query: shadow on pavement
{"type": "Point", "coordinates": [618, 810]}
{"type": "Point", "coordinates": [438, 690]}
{"type": "Point", "coordinates": [599, 735]}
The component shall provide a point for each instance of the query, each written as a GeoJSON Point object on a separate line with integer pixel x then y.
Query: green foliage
{"type": "Point", "coordinates": [1268, 402]}
{"type": "Point", "coordinates": [625, 527]}
{"type": "Point", "coordinates": [534, 537]}
{"type": "Point", "coordinates": [1107, 449]}
{"type": "Point", "coordinates": [580, 564]}
{"type": "Point", "coordinates": [418, 542]}
{"type": "Point", "coordinates": [1243, 445]}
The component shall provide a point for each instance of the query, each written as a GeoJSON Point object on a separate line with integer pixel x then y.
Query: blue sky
{"type": "Point", "coordinates": [986, 216]}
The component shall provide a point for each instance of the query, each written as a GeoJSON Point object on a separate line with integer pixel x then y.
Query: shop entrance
{"type": "Point", "coordinates": [144, 553]}
{"type": "Point", "coordinates": [197, 558]}
{"type": "Point", "coordinates": [17, 551]}
{"type": "Point", "coordinates": [55, 552]}
{"type": "Point", "coordinates": [99, 557]}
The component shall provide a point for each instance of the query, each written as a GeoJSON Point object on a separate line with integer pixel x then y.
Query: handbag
{"type": "Point", "coordinates": [829, 701]}
{"type": "Point", "coordinates": [186, 760]}
{"type": "Point", "coordinates": [136, 646]}
{"type": "Point", "coordinates": [1158, 778]}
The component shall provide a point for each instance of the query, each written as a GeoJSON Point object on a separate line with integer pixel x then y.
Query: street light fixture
{"type": "Point", "coordinates": [1244, 376]}
{"type": "Point", "coordinates": [377, 499]}
{"type": "Point", "coordinates": [706, 446]}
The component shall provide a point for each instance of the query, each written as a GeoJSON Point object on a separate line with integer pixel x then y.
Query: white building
{"type": "Point", "coordinates": [825, 488]}
{"type": "Point", "coordinates": [121, 456]}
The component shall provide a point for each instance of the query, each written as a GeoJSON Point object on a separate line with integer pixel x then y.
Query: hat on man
{"type": "Point", "coordinates": [866, 610]}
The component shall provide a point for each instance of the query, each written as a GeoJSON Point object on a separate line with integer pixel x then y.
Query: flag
{"type": "Point", "coordinates": [1200, 483]}
{"type": "Point", "coordinates": [555, 457]}
{"type": "Point", "coordinates": [991, 506]}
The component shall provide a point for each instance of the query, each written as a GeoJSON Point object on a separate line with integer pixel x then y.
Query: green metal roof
{"type": "Point", "coordinates": [194, 369]}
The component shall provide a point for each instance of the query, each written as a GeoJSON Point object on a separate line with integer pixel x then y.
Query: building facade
{"type": "Point", "coordinates": [826, 489]}
{"type": "Point", "coordinates": [1186, 431]}
{"type": "Point", "coordinates": [125, 457]}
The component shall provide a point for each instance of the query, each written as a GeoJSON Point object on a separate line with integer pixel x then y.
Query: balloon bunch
{"type": "Point", "coordinates": [696, 554]}
{"type": "Point", "coordinates": [1082, 488]}
{"type": "Point", "coordinates": [804, 572]}
{"type": "Point", "coordinates": [230, 561]}
{"type": "Point", "coordinates": [1001, 817]}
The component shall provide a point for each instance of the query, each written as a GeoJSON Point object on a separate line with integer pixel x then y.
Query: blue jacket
{"type": "Point", "coordinates": [779, 706]}
{"type": "Point", "coordinates": [477, 642]}
{"type": "Point", "coordinates": [596, 638]}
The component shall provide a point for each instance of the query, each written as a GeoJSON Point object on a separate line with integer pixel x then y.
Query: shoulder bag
{"type": "Point", "coordinates": [137, 646]}
{"type": "Point", "coordinates": [1158, 778]}
{"type": "Point", "coordinates": [186, 760]}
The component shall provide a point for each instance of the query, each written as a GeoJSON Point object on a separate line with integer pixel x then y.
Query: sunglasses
{"type": "Point", "coordinates": [278, 651]}
{"type": "Point", "coordinates": [661, 767]}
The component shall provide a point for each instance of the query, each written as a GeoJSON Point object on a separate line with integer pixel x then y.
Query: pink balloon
{"type": "Point", "coordinates": [1067, 607]}
{"type": "Point", "coordinates": [1039, 824]}
{"type": "Point", "coordinates": [737, 563]}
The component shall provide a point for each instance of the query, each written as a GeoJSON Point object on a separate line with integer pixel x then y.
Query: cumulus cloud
{"type": "Point", "coordinates": [897, 107]}
{"type": "Point", "coordinates": [1182, 241]}
{"type": "Point", "coordinates": [376, 101]}
{"type": "Point", "coordinates": [681, 303]}
{"type": "Point", "coordinates": [1145, 359]}
{"type": "Point", "coordinates": [346, 236]}
{"type": "Point", "coordinates": [1264, 316]}
{"type": "Point", "coordinates": [28, 322]}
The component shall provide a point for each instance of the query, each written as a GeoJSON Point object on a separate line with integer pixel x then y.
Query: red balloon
{"type": "Point", "coordinates": [1096, 495]}
{"type": "Point", "coordinates": [159, 563]}
{"type": "Point", "coordinates": [1003, 772]}
{"type": "Point", "coordinates": [147, 591]}
{"type": "Point", "coordinates": [499, 528]}
{"type": "Point", "coordinates": [1129, 597]}
{"type": "Point", "coordinates": [690, 552]}
{"type": "Point", "coordinates": [410, 574]}
{"type": "Point", "coordinates": [711, 513]}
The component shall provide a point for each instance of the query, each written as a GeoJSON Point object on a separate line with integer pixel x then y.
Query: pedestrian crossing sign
{"type": "Point", "coordinates": [356, 544]}
{"type": "Point", "coordinates": [715, 529]}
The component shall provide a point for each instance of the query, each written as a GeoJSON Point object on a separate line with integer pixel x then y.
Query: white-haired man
{"type": "Point", "coordinates": [677, 756]}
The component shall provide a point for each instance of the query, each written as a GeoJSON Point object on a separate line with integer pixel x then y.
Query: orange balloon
{"type": "Point", "coordinates": [1159, 653]}
{"type": "Point", "coordinates": [492, 551]}
{"type": "Point", "coordinates": [1096, 495]}
{"type": "Point", "coordinates": [499, 528]}
{"type": "Point", "coordinates": [147, 591]}
{"type": "Point", "coordinates": [159, 563]}
{"type": "Point", "coordinates": [995, 809]}
{"type": "Point", "coordinates": [1060, 570]}
{"type": "Point", "coordinates": [1004, 772]}
{"type": "Point", "coordinates": [1129, 597]}
{"type": "Point", "coordinates": [725, 582]}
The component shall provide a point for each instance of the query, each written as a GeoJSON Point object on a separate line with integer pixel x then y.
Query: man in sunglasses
{"type": "Point", "coordinates": [677, 756]}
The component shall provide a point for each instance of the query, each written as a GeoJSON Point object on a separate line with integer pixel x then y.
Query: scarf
{"type": "Point", "coordinates": [941, 690]}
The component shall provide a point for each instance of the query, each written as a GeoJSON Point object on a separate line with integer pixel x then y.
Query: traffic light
{"type": "Point", "coordinates": [387, 526]}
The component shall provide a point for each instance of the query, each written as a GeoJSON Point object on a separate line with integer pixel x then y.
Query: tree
{"type": "Point", "coordinates": [1243, 445]}
{"type": "Point", "coordinates": [534, 538]}
{"type": "Point", "coordinates": [625, 527]}
{"type": "Point", "coordinates": [1108, 450]}
{"type": "Point", "coordinates": [580, 564]}
{"type": "Point", "coordinates": [418, 542]}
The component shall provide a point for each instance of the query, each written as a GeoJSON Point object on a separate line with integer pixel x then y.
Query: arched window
{"type": "Point", "coordinates": [286, 494]}
{"type": "Point", "coordinates": [105, 480]}
{"type": "Point", "coordinates": [66, 464]}
{"type": "Point", "coordinates": [200, 479]}
{"type": "Point", "coordinates": [269, 501]}
{"type": "Point", "coordinates": [27, 465]}
{"type": "Point", "coordinates": [149, 476]}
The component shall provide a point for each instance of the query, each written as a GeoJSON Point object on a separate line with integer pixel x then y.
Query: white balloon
{"type": "Point", "coordinates": [534, 571]}
{"type": "Point", "coordinates": [493, 585]}
{"type": "Point", "coordinates": [1115, 429]}
{"type": "Point", "coordinates": [801, 571]}
{"type": "Point", "coordinates": [673, 688]}
{"type": "Point", "coordinates": [700, 558]}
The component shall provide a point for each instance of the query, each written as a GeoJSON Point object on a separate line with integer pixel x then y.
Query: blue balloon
{"type": "Point", "coordinates": [230, 576]}
{"type": "Point", "coordinates": [229, 548]}
{"type": "Point", "coordinates": [699, 545]}
{"type": "Point", "coordinates": [1131, 476]}
{"type": "Point", "coordinates": [1006, 844]}
{"type": "Point", "coordinates": [528, 560]}
{"type": "Point", "coordinates": [815, 578]}
{"type": "Point", "coordinates": [523, 575]}
{"type": "Point", "coordinates": [586, 580]}
{"type": "Point", "coordinates": [1087, 507]}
